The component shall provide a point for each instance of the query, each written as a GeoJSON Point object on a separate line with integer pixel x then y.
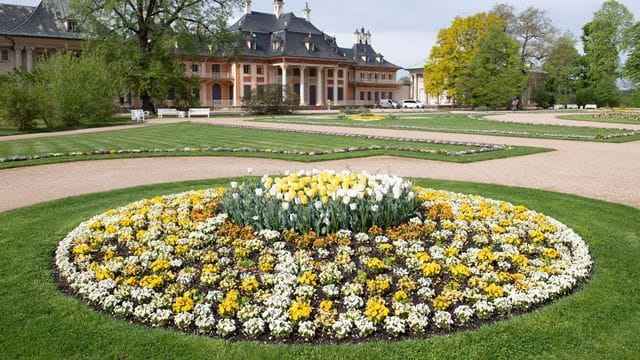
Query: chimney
{"type": "Point", "coordinates": [278, 8]}
{"type": "Point", "coordinates": [247, 7]}
{"type": "Point", "coordinates": [307, 12]}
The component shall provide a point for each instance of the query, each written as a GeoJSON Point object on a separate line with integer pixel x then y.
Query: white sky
{"type": "Point", "coordinates": [405, 30]}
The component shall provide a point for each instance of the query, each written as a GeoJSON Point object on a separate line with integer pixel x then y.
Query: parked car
{"type": "Point", "coordinates": [388, 104]}
{"type": "Point", "coordinates": [412, 104]}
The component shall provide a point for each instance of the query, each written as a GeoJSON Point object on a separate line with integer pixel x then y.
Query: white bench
{"type": "Point", "coordinates": [573, 107]}
{"type": "Point", "coordinates": [558, 107]}
{"type": "Point", "coordinates": [139, 115]}
{"type": "Point", "coordinates": [162, 112]}
{"type": "Point", "coordinates": [591, 107]}
{"type": "Point", "coordinates": [199, 112]}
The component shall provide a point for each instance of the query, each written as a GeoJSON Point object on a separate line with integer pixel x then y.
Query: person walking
{"type": "Point", "coordinates": [514, 104]}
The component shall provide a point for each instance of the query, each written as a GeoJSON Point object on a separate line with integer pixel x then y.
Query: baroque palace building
{"type": "Point", "coordinates": [28, 33]}
{"type": "Point", "coordinates": [279, 48]}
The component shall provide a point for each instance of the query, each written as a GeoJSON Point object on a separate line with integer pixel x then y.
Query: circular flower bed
{"type": "Point", "coordinates": [366, 117]}
{"type": "Point", "coordinates": [318, 256]}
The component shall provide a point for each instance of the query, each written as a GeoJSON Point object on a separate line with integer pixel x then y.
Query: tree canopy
{"type": "Point", "coordinates": [603, 38]}
{"type": "Point", "coordinates": [495, 74]}
{"type": "Point", "coordinates": [455, 49]}
{"type": "Point", "coordinates": [141, 38]}
{"type": "Point", "coordinates": [532, 29]}
{"type": "Point", "coordinates": [563, 66]}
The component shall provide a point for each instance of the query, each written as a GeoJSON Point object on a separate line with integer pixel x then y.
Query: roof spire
{"type": "Point", "coordinates": [247, 6]}
{"type": "Point", "coordinates": [307, 12]}
{"type": "Point", "coordinates": [278, 8]}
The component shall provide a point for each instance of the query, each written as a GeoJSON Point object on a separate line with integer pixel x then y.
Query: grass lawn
{"type": "Point", "coordinates": [600, 321]}
{"type": "Point", "coordinates": [191, 135]}
{"type": "Point", "coordinates": [610, 119]}
{"type": "Point", "coordinates": [40, 127]}
{"type": "Point", "coordinates": [459, 123]}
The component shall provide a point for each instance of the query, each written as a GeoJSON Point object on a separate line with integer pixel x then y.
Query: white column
{"type": "Point", "coordinates": [284, 80]}
{"type": "Point", "coordinates": [303, 87]}
{"type": "Point", "coordinates": [29, 58]}
{"type": "Point", "coordinates": [18, 56]}
{"type": "Point", "coordinates": [236, 83]}
{"type": "Point", "coordinates": [335, 85]}
{"type": "Point", "coordinates": [319, 87]}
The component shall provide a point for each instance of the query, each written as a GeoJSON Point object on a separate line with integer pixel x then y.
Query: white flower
{"type": "Point", "coordinates": [375, 208]}
{"type": "Point", "coordinates": [442, 319]}
{"type": "Point", "coordinates": [234, 185]}
{"type": "Point", "coordinates": [249, 170]}
{"type": "Point", "coordinates": [353, 206]}
{"type": "Point", "coordinates": [394, 325]}
{"type": "Point", "coordinates": [285, 206]}
{"type": "Point", "coordinates": [259, 192]}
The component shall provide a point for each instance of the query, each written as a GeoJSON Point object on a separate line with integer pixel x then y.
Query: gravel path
{"type": "Point", "coordinates": [598, 170]}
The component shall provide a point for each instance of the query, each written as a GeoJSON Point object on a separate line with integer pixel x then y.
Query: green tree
{"type": "Point", "coordinates": [454, 51]}
{"type": "Point", "coordinates": [22, 100]}
{"type": "Point", "coordinates": [532, 29]}
{"type": "Point", "coordinates": [141, 38]}
{"type": "Point", "coordinates": [495, 75]}
{"type": "Point", "coordinates": [632, 66]}
{"type": "Point", "coordinates": [603, 39]}
{"type": "Point", "coordinates": [77, 88]}
{"type": "Point", "coordinates": [271, 100]}
{"type": "Point", "coordinates": [563, 68]}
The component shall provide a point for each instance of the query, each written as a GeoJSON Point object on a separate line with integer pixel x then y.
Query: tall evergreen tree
{"type": "Point", "coordinates": [603, 39]}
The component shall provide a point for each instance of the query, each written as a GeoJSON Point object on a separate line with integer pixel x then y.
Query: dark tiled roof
{"type": "Point", "coordinates": [45, 21]}
{"type": "Point", "coordinates": [293, 32]}
{"type": "Point", "coordinates": [13, 15]}
{"type": "Point", "coordinates": [358, 51]}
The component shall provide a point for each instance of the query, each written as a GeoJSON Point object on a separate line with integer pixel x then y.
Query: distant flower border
{"type": "Point", "coordinates": [472, 131]}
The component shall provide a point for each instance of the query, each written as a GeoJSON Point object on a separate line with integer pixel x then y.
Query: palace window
{"type": "Point", "coordinates": [340, 74]}
{"type": "Point", "coordinates": [215, 68]}
{"type": "Point", "coordinates": [330, 73]}
{"type": "Point", "coordinates": [361, 76]}
{"type": "Point", "coordinates": [313, 73]}
{"type": "Point", "coordinates": [194, 67]}
{"type": "Point", "coordinates": [368, 95]}
{"type": "Point", "coordinates": [369, 76]}
{"type": "Point", "coordinates": [361, 95]}
{"type": "Point", "coordinates": [384, 76]}
{"type": "Point", "coordinates": [246, 69]}
{"type": "Point", "coordinates": [296, 71]}
{"type": "Point", "coordinates": [4, 55]}
{"type": "Point", "coordinates": [247, 91]}
{"type": "Point", "coordinates": [340, 94]}
{"type": "Point", "coordinates": [259, 69]}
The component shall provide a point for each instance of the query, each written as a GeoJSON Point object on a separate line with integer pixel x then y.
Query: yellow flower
{"type": "Point", "coordinates": [183, 304]}
{"type": "Point", "coordinates": [151, 281]}
{"type": "Point", "coordinates": [459, 270]}
{"type": "Point", "coordinates": [159, 265]}
{"type": "Point", "coordinates": [376, 310]}
{"type": "Point", "coordinates": [375, 264]}
{"type": "Point", "coordinates": [307, 278]}
{"type": "Point", "coordinates": [299, 311]}
{"type": "Point", "coordinates": [441, 303]}
{"type": "Point", "coordinates": [494, 291]}
{"type": "Point", "coordinates": [326, 305]}
{"type": "Point", "coordinates": [400, 296]}
{"type": "Point", "coordinates": [550, 253]}
{"type": "Point", "coordinates": [379, 285]}
{"type": "Point", "coordinates": [229, 305]}
{"type": "Point", "coordinates": [485, 255]}
{"type": "Point", "coordinates": [250, 284]}
{"type": "Point", "coordinates": [431, 268]}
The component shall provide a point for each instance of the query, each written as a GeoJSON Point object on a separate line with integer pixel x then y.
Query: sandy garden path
{"type": "Point", "coordinates": [599, 170]}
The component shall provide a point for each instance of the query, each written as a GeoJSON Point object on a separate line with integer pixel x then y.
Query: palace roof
{"type": "Point", "coordinates": [45, 20]}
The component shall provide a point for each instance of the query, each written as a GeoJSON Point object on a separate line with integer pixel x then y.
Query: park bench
{"type": "Point", "coordinates": [558, 107]}
{"type": "Point", "coordinates": [199, 112]}
{"type": "Point", "coordinates": [591, 107]}
{"type": "Point", "coordinates": [139, 115]}
{"type": "Point", "coordinates": [572, 107]}
{"type": "Point", "coordinates": [162, 112]}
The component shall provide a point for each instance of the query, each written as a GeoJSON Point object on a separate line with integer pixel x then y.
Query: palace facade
{"type": "Point", "coordinates": [281, 48]}
{"type": "Point", "coordinates": [28, 33]}
{"type": "Point", "coordinates": [278, 48]}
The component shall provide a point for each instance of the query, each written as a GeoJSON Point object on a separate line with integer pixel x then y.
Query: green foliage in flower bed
{"type": "Point", "coordinates": [321, 202]}
{"type": "Point", "coordinates": [610, 117]}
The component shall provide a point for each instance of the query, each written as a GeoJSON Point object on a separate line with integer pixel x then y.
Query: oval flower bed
{"type": "Point", "coordinates": [318, 256]}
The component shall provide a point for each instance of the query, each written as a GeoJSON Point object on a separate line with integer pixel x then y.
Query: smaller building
{"type": "Point", "coordinates": [29, 33]}
{"type": "Point", "coordinates": [418, 92]}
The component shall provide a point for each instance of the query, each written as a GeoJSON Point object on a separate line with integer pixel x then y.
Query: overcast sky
{"type": "Point", "coordinates": [404, 30]}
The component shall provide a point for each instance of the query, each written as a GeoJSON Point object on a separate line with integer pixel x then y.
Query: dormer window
{"type": "Point", "coordinates": [251, 42]}
{"type": "Point", "coordinates": [308, 43]}
{"type": "Point", "coordinates": [277, 44]}
{"type": "Point", "coordinates": [379, 58]}
{"type": "Point", "coordinates": [71, 25]}
{"type": "Point", "coordinates": [364, 58]}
